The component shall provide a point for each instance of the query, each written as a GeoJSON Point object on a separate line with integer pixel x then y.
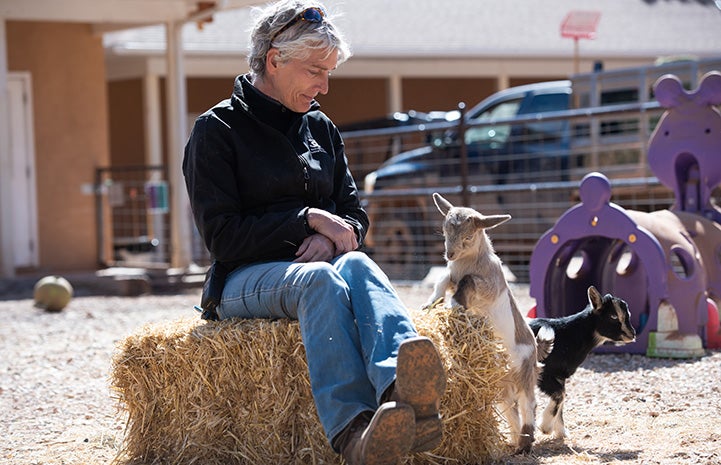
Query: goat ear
{"type": "Point", "coordinates": [491, 221]}
{"type": "Point", "coordinates": [442, 204]}
{"type": "Point", "coordinates": [594, 298]}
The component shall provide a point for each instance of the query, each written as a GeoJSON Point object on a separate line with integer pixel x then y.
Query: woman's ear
{"type": "Point", "coordinates": [271, 60]}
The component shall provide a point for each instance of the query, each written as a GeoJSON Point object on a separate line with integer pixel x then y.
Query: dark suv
{"type": "Point", "coordinates": [488, 145]}
{"type": "Point", "coordinates": [404, 233]}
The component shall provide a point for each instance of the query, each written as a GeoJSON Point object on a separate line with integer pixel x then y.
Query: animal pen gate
{"type": "Point", "coordinates": [133, 208]}
{"type": "Point", "coordinates": [132, 212]}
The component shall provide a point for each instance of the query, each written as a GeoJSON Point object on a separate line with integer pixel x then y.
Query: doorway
{"type": "Point", "coordinates": [22, 177]}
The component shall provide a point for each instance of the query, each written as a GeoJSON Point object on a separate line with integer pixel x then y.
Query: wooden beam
{"type": "Point", "coordinates": [98, 11]}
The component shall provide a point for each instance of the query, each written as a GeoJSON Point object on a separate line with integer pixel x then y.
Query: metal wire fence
{"type": "Point", "coordinates": [532, 172]}
{"type": "Point", "coordinates": [528, 167]}
{"type": "Point", "coordinates": [132, 210]}
{"type": "Point", "coordinates": [525, 167]}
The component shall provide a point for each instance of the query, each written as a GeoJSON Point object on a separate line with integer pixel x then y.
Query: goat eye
{"type": "Point", "coordinates": [614, 317]}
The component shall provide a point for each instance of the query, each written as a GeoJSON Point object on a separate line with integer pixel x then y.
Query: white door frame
{"type": "Point", "coordinates": [7, 270]}
{"type": "Point", "coordinates": [22, 171]}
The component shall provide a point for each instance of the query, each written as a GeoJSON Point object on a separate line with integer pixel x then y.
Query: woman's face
{"type": "Point", "coordinates": [296, 83]}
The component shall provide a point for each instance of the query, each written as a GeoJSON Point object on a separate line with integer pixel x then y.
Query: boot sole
{"type": "Point", "coordinates": [420, 377]}
{"type": "Point", "coordinates": [389, 435]}
{"type": "Point", "coordinates": [429, 433]}
{"type": "Point", "coordinates": [421, 382]}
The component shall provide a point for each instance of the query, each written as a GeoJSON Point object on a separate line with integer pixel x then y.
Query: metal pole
{"type": "Point", "coordinates": [576, 58]}
{"type": "Point", "coordinates": [465, 199]}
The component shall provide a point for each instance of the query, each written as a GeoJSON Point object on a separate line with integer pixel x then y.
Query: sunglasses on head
{"type": "Point", "coordinates": [311, 15]}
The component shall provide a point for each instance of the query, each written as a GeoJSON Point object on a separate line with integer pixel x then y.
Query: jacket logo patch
{"type": "Point", "coordinates": [314, 147]}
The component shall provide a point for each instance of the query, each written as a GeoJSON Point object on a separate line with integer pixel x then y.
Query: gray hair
{"type": "Point", "coordinates": [296, 42]}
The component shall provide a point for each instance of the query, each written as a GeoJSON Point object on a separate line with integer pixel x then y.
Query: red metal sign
{"type": "Point", "coordinates": [580, 24]}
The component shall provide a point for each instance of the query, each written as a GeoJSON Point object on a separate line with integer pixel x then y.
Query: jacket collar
{"type": "Point", "coordinates": [263, 107]}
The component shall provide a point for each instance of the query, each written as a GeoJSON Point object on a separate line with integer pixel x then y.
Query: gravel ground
{"type": "Point", "coordinates": [56, 406]}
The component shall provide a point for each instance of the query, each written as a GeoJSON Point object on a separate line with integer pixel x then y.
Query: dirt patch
{"type": "Point", "coordinates": [56, 406]}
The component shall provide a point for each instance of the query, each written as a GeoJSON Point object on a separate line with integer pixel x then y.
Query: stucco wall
{"type": "Point", "coordinates": [71, 134]}
{"type": "Point", "coordinates": [445, 93]}
{"type": "Point", "coordinates": [126, 122]}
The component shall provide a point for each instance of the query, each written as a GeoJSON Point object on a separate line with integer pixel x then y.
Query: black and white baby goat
{"type": "Point", "coordinates": [604, 319]}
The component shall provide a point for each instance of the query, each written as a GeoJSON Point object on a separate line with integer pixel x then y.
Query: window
{"type": "Point", "coordinates": [495, 134]}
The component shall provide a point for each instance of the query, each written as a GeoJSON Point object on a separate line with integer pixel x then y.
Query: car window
{"type": "Point", "coordinates": [496, 133]}
{"type": "Point", "coordinates": [542, 103]}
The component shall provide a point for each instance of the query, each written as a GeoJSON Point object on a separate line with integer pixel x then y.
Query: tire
{"type": "Point", "coordinates": [398, 248]}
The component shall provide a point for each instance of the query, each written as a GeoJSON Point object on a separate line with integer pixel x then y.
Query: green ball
{"type": "Point", "coordinates": [53, 293]}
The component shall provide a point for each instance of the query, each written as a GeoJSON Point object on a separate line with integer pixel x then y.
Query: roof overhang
{"type": "Point", "coordinates": [107, 15]}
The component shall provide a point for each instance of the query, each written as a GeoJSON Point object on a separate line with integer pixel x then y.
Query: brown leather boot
{"type": "Point", "coordinates": [420, 383]}
{"type": "Point", "coordinates": [383, 439]}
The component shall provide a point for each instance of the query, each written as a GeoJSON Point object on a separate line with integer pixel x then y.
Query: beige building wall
{"type": "Point", "coordinates": [428, 94]}
{"type": "Point", "coordinates": [355, 99]}
{"type": "Point", "coordinates": [204, 93]}
{"type": "Point", "coordinates": [126, 119]}
{"type": "Point", "coordinates": [71, 134]}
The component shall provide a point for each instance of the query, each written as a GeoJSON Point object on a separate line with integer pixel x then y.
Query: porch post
{"type": "Point", "coordinates": [151, 106]}
{"type": "Point", "coordinates": [180, 241]}
{"type": "Point", "coordinates": [395, 93]}
{"type": "Point", "coordinates": [154, 152]}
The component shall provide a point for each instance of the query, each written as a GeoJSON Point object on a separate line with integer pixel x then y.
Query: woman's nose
{"type": "Point", "coordinates": [323, 84]}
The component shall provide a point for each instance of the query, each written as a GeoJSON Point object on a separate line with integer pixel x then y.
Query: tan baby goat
{"type": "Point", "coordinates": [474, 273]}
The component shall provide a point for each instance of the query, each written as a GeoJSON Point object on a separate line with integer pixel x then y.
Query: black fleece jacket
{"type": "Point", "coordinates": [252, 169]}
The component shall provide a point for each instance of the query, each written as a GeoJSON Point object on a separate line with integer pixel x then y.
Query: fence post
{"type": "Point", "coordinates": [100, 221]}
{"type": "Point", "coordinates": [465, 199]}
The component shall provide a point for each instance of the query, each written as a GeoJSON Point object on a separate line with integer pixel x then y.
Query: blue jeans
{"type": "Point", "coordinates": [351, 321]}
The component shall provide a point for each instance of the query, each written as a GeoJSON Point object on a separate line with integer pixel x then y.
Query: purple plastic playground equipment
{"type": "Point", "coordinates": [666, 264]}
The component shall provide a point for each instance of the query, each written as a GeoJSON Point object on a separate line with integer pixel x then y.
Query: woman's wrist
{"type": "Point", "coordinates": [306, 221]}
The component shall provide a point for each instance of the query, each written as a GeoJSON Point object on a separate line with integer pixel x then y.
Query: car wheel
{"type": "Point", "coordinates": [397, 249]}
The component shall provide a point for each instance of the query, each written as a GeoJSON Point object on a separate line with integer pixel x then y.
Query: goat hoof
{"type": "Point", "coordinates": [525, 444]}
{"type": "Point", "coordinates": [524, 449]}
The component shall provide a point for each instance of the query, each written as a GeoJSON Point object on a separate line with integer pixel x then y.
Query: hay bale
{"type": "Point", "coordinates": [237, 391]}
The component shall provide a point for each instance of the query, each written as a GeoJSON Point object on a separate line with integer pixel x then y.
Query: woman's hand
{"type": "Point", "coordinates": [315, 248]}
{"type": "Point", "coordinates": [340, 233]}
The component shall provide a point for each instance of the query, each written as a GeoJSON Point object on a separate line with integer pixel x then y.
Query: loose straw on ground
{"type": "Point", "coordinates": [237, 392]}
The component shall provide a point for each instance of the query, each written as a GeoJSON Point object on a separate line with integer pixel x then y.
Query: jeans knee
{"type": "Point", "coordinates": [318, 274]}
{"type": "Point", "coordinates": [356, 262]}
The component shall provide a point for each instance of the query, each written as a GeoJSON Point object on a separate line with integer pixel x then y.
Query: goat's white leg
{"type": "Point", "coordinates": [527, 407]}
{"type": "Point", "coordinates": [510, 413]}
{"type": "Point", "coordinates": [549, 415]}
{"type": "Point", "coordinates": [553, 416]}
{"type": "Point", "coordinates": [559, 428]}
{"type": "Point", "coordinates": [439, 289]}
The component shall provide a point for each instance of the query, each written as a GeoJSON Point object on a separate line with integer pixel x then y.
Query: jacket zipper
{"type": "Point", "coordinates": [306, 172]}
{"type": "Point", "coordinates": [306, 176]}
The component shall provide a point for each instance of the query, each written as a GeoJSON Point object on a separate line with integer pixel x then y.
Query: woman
{"type": "Point", "coordinates": [279, 211]}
